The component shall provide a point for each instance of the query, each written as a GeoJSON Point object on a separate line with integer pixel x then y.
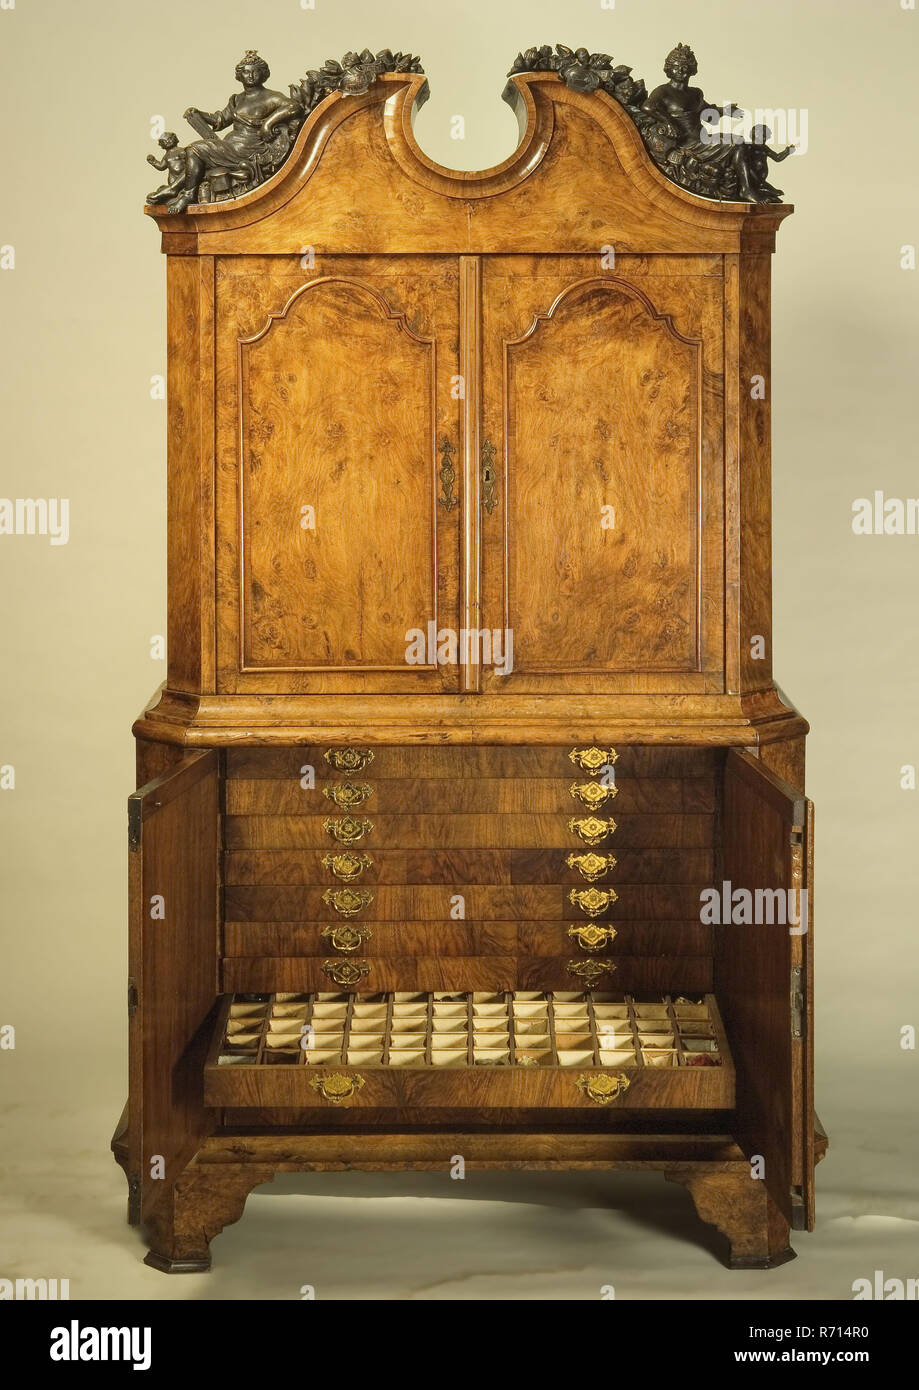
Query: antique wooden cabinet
{"type": "Point", "coordinates": [469, 746]}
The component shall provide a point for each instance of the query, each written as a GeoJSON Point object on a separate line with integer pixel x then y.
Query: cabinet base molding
{"type": "Point", "coordinates": [211, 1192]}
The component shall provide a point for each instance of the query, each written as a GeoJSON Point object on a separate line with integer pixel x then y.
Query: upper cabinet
{"type": "Point", "coordinates": [438, 433]}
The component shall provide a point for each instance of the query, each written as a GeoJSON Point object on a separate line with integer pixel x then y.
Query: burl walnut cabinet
{"type": "Point", "coordinates": [399, 893]}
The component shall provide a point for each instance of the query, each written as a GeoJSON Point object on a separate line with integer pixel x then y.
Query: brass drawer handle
{"type": "Point", "coordinates": [347, 830]}
{"type": "Point", "coordinates": [591, 794]}
{"type": "Point", "coordinates": [590, 936]}
{"type": "Point", "coordinates": [447, 474]}
{"type": "Point", "coordinates": [337, 1088]}
{"type": "Point", "coordinates": [591, 866]}
{"type": "Point", "coordinates": [593, 760]}
{"type": "Point", "coordinates": [590, 970]}
{"type": "Point", "coordinates": [592, 829]}
{"type": "Point", "coordinates": [349, 795]}
{"type": "Point", "coordinates": [346, 937]}
{"type": "Point", "coordinates": [348, 902]}
{"type": "Point", "coordinates": [593, 901]}
{"type": "Point", "coordinates": [349, 759]}
{"type": "Point", "coordinates": [346, 972]}
{"type": "Point", "coordinates": [347, 866]}
{"type": "Point", "coordinates": [602, 1087]}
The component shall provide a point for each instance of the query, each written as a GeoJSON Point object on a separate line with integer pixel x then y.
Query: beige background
{"type": "Point", "coordinates": [82, 335]}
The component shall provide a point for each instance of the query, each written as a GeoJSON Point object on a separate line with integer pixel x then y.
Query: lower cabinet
{"type": "Point", "coordinates": [473, 937]}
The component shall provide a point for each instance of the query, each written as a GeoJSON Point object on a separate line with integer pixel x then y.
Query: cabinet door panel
{"type": "Point", "coordinates": [602, 553]}
{"type": "Point", "coordinates": [764, 977]}
{"type": "Point", "coordinates": [173, 966]}
{"type": "Point", "coordinates": [334, 407]}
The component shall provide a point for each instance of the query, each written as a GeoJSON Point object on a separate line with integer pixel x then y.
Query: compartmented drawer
{"type": "Point", "coordinates": [383, 762]}
{"type": "Point", "coordinates": [365, 832]}
{"type": "Point", "coordinates": [523, 1048]}
{"type": "Point", "coordinates": [480, 902]}
{"type": "Point", "coordinates": [366, 867]}
{"type": "Point", "coordinates": [529, 938]}
{"type": "Point", "coordinates": [279, 796]}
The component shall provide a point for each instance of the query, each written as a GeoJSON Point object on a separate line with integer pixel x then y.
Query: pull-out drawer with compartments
{"type": "Point", "coordinates": [525, 1048]}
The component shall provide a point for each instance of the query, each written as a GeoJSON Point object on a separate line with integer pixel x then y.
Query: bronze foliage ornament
{"type": "Point", "coordinates": [676, 123]}
{"type": "Point", "coordinates": [262, 126]}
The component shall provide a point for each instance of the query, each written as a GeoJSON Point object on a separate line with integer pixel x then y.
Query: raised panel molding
{"type": "Point", "coordinates": [386, 500]}
{"type": "Point", "coordinates": [651, 617]}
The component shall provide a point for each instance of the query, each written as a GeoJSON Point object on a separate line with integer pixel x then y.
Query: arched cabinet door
{"type": "Point", "coordinates": [602, 425]}
{"type": "Point", "coordinates": [338, 473]}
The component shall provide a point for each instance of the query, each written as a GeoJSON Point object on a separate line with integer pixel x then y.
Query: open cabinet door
{"type": "Point", "coordinates": [173, 884]}
{"type": "Point", "coordinates": [765, 977]}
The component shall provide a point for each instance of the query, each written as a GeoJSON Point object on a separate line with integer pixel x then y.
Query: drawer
{"type": "Point", "coordinates": [357, 937]}
{"type": "Point", "coordinates": [366, 832]}
{"type": "Point", "coordinates": [569, 1050]}
{"type": "Point", "coordinates": [281, 903]}
{"type": "Point", "coordinates": [392, 866]}
{"type": "Point", "coordinates": [479, 761]}
{"type": "Point", "coordinates": [488, 795]}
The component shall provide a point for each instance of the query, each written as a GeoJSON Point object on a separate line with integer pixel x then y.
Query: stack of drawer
{"type": "Point", "coordinates": [457, 868]}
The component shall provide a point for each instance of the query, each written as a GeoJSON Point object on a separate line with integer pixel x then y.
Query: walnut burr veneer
{"type": "Point", "coordinates": [469, 754]}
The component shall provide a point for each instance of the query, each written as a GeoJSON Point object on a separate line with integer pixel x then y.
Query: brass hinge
{"type": "Point", "coordinates": [134, 1199]}
{"type": "Point", "coordinates": [135, 821]}
{"type": "Point", "coordinates": [132, 998]}
{"type": "Point", "coordinates": [797, 1001]}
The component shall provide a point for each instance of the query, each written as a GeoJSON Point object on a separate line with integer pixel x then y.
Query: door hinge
{"type": "Point", "coordinates": [132, 998]}
{"type": "Point", "coordinates": [135, 822]}
{"type": "Point", "coordinates": [134, 1199]}
{"type": "Point", "coordinates": [797, 1001]}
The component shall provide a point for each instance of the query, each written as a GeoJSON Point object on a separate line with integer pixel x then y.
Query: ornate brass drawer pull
{"type": "Point", "coordinates": [347, 866]}
{"type": "Point", "coordinates": [591, 866]}
{"type": "Point", "coordinates": [590, 937]}
{"type": "Point", "coordinates": [348, 902]}
{"type": "Point", "coordinates": [349, 759]}
{"type": "Point", "coordinates": [593, 901]}
{"type": "Point", "coordinates": [591, 794]}
{"type": "Point", "coordinates": [489, 477]}
{"type": "Point", "coordinates": [590, 970]}
{"type": "Point", "coordinates": [349, 795]}
{"type": "Point", "coordinates": [337, 1088]}
{"type": "Point", "coordinates": [593, 760]}
{"type": "Point", "coordinates": [346, 937]}
{"type": "Point", "coordinates": [347, 830]}
{"type": "Point", "coordinates": [447, 474]}
{"type": "Point", "coordinates": [591, 829]}
{"type": "Point", "coordinates": [602, 1087]}
{"type": "Point", "coordinates": [346, 972]}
